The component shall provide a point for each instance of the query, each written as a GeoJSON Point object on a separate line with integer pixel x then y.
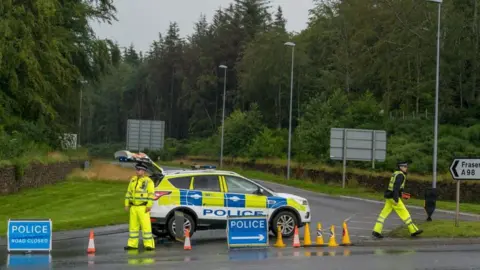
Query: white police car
{"type": "Point", "coordinates": [207, 196]}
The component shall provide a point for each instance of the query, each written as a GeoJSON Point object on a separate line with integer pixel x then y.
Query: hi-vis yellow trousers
{"type": "Point", "coordinates": [140, 219]}
{"type": "Point", "coordinates": [401, 211]}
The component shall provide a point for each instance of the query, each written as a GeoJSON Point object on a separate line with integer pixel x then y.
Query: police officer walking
{"type": "Point", "coordinates": [393, 202]}
{"type": "Point", "coordinates": [139, 201]}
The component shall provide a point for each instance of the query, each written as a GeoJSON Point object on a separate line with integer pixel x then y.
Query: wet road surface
{"type": "Point", "coordinates": [209, 249]}
{"type": "Point", "coordinates": [215, 256]}
{"type": "Point", "coordinates": [362, 214]}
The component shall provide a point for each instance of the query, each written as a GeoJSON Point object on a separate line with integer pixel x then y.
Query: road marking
{"type": "Point", "coordinates": [364, 222]}
{"type": "Point", "coordinates": [357, 228]}
{"type": "Point", "coordinates": [360, 236]}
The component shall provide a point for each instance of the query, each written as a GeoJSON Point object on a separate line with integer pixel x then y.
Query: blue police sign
{"type": "Point", "coordinates": [29, 235]}
{"type": "Point", "coordinates": [247, 231]}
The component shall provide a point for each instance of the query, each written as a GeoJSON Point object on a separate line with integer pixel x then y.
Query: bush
{"type": "Point", "coordinates": [269, 144]}
{"type": "Point", "coordinates": [172, 149]}
{"type": "Point", "coordinates": [104, 150]}
{"type": "Point", "coordinates": [17, 145]}
{"type": "Point", "coordinates": [240, 130]}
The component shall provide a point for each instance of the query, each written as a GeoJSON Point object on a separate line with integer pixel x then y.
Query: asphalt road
{"type": "Point", "coordinates": [209, 249]}
{"type": "Point", "coordinates": [362, 214]}
{"type": "Point", "coordinates": [214, 256]}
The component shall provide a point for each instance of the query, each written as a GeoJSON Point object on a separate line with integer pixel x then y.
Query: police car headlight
{"type": "Point", "coordinates": [302, 202]}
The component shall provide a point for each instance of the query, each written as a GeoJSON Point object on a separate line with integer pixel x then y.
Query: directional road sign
{"type": "Point", "coordinates": [29, 235]}
{"type": "Point", "coordinates": [465, 169]}
{"type": "Point", "coordinates": [247, 231]}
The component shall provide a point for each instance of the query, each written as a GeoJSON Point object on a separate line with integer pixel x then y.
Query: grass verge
{"type": "Point", "coordinates": [74, 204]}
{"type": "Point", "coordinates": [442, 228]}
{"type": "Point", "coordinates": [332, 189]}
{"type": "Point", "coordinates": [47, 158]}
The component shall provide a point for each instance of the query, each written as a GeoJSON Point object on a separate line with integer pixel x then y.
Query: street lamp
{"type": "Point", "coordinates": [435, 132]}
{"type": "Point", "coordinates": [83, 82]}
{"type": "Point", "coordinates": [431, 194]}
{"type": "Point", "coordinates": [291, 44]}
{"type": "Point", "coordinates": [223, 112]}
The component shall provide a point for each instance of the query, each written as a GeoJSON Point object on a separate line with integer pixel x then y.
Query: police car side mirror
{"type": "Point", "coordinates": [259, 191]}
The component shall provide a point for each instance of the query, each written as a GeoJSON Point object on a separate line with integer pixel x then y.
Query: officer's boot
{"type": "Point", "coordinates": [417, 233]}
{"type": "Point", "coordinates": [129, 248]}
{"type": "Point", "coordinates": [377, 235]}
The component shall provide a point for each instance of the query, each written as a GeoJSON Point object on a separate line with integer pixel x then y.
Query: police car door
{"type": "Point", "coordinates": [241, 198]}
{"type": "Point", "coordinates": [212, 207]}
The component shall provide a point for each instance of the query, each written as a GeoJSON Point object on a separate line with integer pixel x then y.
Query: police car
{"type": "Point", "coordinates": [207, 197]}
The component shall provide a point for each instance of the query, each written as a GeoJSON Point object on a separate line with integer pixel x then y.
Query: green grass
{"type": "Point", "coordinates": [442, 228]}
{"type": "Point", "coordinates": [74, 204]}
{"type": "Point", "coordinates": [47, 158]}
{"type": "Point", "coordinates": [332, 189]}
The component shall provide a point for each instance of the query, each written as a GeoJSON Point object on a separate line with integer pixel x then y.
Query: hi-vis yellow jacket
{"type": "Point", "coordinates": [140, 191]}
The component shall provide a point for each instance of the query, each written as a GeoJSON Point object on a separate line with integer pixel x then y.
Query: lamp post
{"type": "Point", "coordinates": [223, 112]}
{"type": "Point", "coordinates": [83, 82]}
{"type": "Point", "coordinates": [291, 44]}
{"type": "Point", "coordinates": [435, 131]}
{"type": "Point", "coordinates": [430, 193]}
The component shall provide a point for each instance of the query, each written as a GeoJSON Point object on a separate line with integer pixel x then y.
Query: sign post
{"type": "Point", "coordinates": [464, 169]}
{"type": "Point", "coordinates": [357, 145]}
{"type": "Point", "coordinates": [29, 235]}
{"type": "Point", "coordinates": [247, 231]}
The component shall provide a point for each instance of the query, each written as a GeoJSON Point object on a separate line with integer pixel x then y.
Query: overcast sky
{"type": "Point", "coordinates": [140, 21]}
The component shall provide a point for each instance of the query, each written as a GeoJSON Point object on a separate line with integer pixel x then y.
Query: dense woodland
{"type": "Point", "coordinates": [357, 64]}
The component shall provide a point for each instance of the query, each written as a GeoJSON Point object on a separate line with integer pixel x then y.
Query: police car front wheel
{"type": "Point", "coordinates": [188, 223]}
{"type": "Point", "coordinates": [287, 222]}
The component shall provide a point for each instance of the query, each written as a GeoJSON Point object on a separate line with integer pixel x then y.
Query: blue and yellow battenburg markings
{"type": "Point", "coordinates": [234, 200]}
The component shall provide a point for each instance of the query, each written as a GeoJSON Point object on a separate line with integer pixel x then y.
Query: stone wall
{"type": "Point", "coordinates": [14, 179]}
{"type": "Point", "coordinates": [446, 190]}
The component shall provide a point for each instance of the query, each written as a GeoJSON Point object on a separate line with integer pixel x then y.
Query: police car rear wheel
{"type": "Point", "coordinates": [188, 223]}
{"type": "Point", "coordinates": [287, 222]}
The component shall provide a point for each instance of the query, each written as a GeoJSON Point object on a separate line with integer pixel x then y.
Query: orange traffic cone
{"type": "Point", "coordinates": [187, 245]}
{"type": "Point", "coordinates": [296, 239]}
{"type": "Point", "coordinates": [306, 239]}
{"type": "Point", "coordinates": [319, 239]}
{"type": "Point", "coordinates": [332, 242]}
{"type": "Point", "coordinates": [345, 236]}
{"type": "Point", "coordinates": [279, 242]}
{"type": "Point", "coordinates": [91, 243]}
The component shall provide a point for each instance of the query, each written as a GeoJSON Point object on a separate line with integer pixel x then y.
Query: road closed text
{"type": "Point", "coordinates": [36, 240]}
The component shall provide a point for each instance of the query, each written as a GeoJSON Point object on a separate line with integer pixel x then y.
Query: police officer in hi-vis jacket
{"type": "Point", "coordinates": [139, 201]}
{"type": "Point", "coordinates": [393, 201]}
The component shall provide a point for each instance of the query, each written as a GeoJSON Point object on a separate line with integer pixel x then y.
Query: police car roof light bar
{"type": "Point", "coordinates": [196, 167]}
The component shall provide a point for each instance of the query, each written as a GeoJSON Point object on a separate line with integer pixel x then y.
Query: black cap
{"type": "Point", "coordinates": [402, 163]}
{"type": "Point", "coordinates": [140, 166]}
